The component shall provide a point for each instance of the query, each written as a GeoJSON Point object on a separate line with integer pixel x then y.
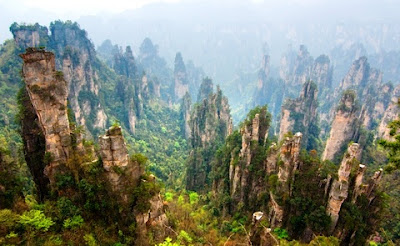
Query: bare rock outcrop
{"type": "Point", "coordinates": [289, 158]}
{"type": "Point", "coordinates": [299, 115]}
{"type": "Point", "coordinates": [207, 116]}
{"type": "Point", "coordinates": [210, 123]}
{"type": "Point", "coordinates": [76, 56]}
{"type": "Point", "coordinates": [186, 107]}
{"type": "Point", "coordinates": [340, 187]}
{"type": "Point", "coordinates": [321, 73]}
{"type": "Point", "coordinates": [253, 134]}
{"type": "Point", "coordinates": [181, 84]}
{"type": "Point", "coordinates": [344, 126]}
{"type": "Point", "coordinates": [48, 92]}
{"type": "Point", "coordinates": [391, 113]}
{"type": "Point", "coordinates": [29, 36]}
{"type": "Point", "coordinates": [297, 69]}
{"type": "Point", "coordinates": [120, 171]}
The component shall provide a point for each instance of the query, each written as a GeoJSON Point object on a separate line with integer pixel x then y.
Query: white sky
{"type": "Point", "coordinates": [91, 7]}
{"type": "Point", "coordinates": [77, 7]}
{"type": "Point", "coordinates": [45, 11]}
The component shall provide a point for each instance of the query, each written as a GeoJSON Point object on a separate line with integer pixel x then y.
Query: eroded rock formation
{"type": "Point", "coordinates": [52, 149]}
{"type": "Point", "coordinates": [300, 115]}
{"type": "Point", "coordinates": [289, 163]}
{"type": "Point", "coordinates": [186, 107]}
{"type": "Point", "coordinates": [48, 92]}
{"type": "Point", "coordinates": [210, 123]}
{"type": "Point", "coordinates": [340, 187]}
{"type": "Point", "coordinates": [29, 36]}
{"type": "Point", "coordinates": [181, 85]}
{"type": "Point", "coordinates": [391, 113]}
{"type": "Point", "coordinates": [119, 169]}
{"type": "Point", "coordinates": [210, 120]}
{"type": "Point", "coordinates": [344, 126]}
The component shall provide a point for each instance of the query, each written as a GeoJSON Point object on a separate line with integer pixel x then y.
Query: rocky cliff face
{"type": "Point", "coordinates": [360, 75]}
{"type": "Point", "coordinates": [34, 145]}
{"type": "Point", "coordinates": [300, 115]}
{"type": "Point", "coordinates": [297, 69]}
{"type": "Point", "coordinates": [210, 123]}
{"type": "Point", "coordinates": [29, 36]}
{"type": "Point", "coordinates": [48, 92]}
{"type": "Point", "coordinates": [76, 57]}
{"type": "Point", "coordinates": [53, 150]}
{"type": "Point", "coordinates": [121, 173]}
{"type": "Point", "coordinates": [374, 96]}
{"type": "Point", "coordinates": [344, 126]}
{"type": "Point", "coordinates": [279, 179]}
{"type": "Point", "coordinates": [181, 85]}
{"type": "Point", "coordinates": [269, 91]}
{"type": "Point", "coordinates": [289, 155]}
{"type": "Point", "coordinates": [373, 99]}
{"type": "Point", "coordinates": [119, 169]}
{"type": "Point", "coordinates": [321, 73]}
{"type": "Point", "coordinates": [340, 187]}
{"type": "Point", "coordinates": [254, 134]}
{"type": "Point", "coordinates": [391, 113]}
{"type": "Point", "coordinates": [350, 187]}
{"type": "Point", "coordinates": [89, 78]}
{"type": "Point", "coordinates": [206, 88]}
{"type": "Point", "coordinates": [129, 89]}
{"type": "Point", "coordinates": [186, 107]}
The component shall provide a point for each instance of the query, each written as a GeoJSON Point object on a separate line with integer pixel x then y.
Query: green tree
{"type": "Point", "coordinates": [393, 146]}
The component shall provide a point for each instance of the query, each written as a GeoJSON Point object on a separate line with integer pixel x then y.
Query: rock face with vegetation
{"type": "Point", "coordinates": [48, 91]}
{"type": "Point", "coordinates": [300, 115]}
{"type": "Point", "coordinates": [344, 126]}
{"type": "Point", "coordinates": [268, 90]}
{"type": "Point", "coordinates": [321, 73]}
{"type": "Point", "coordinates": [77, 58]}
{"type": "Point", "coordinates": [391, 113]}
{"type": "Point", "coordinates": [116, 163]}
{"type": "Point", "coordinates": [293, 189]}
{"type": "Point", "coordinates": [61, 152]}
{"type": "Point", "coordinates": [210, 123]}
{"type": "Point", "coordinates": [340, 187]}
{"type": "Point", "coordinates": [131, 87]}
{"type": "Point", "coordinates": [124, 174]}
{"type": "Point", "coordinates": [289, 163]}
{"type": "Point", "coordinates": [373, 94]}
{"type": "Point", "coordinates": [297, 69]}
{"type": "Point", "coordinates": [181, 86]}
{"type": "Point", "coordinates": [186, 107]}
{"type": "Point", "coordinates": [29, 36]}
{"type": "Point", "coordinates": [257, 186]}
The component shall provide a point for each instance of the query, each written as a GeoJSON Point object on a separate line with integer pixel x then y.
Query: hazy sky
{"type": "Point", "coordinates": [45, 11]}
